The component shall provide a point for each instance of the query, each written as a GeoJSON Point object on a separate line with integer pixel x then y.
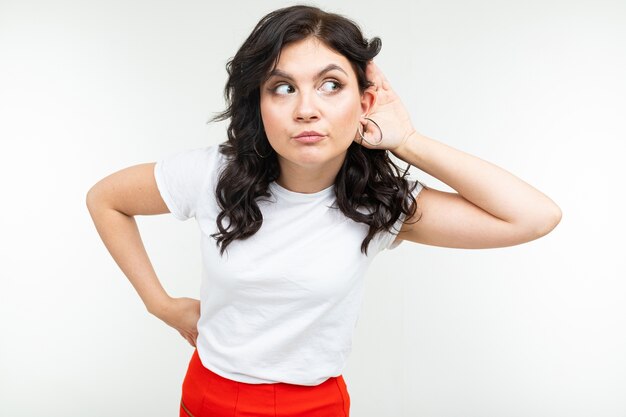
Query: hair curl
{"type": "Point", "coordinates": [368, 177]}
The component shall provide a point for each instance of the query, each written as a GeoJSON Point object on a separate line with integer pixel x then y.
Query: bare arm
{"type": "Point", "coordinates": [113, 202]}
{"type": "Point", "coordinates": [493, 208]}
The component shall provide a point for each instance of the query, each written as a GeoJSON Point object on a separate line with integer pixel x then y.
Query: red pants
{"type": "Point", "coordinates": [207, 394]}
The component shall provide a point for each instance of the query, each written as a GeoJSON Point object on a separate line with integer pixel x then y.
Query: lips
{"type": "Point", "coordinates": [309, 137]}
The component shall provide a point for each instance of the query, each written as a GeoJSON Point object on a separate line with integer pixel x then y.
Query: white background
{"type": "Point", "coordinates": [536, 87]}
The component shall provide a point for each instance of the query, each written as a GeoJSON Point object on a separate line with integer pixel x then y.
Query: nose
{"type": "Point", "coordinates": [306, 107]}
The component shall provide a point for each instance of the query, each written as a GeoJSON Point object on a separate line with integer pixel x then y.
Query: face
{"type": "Point", "coordinates": [311, 105]}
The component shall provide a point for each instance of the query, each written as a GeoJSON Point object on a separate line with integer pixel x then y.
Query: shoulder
{"type": "Point", "coordinates": [199, 159]}
{"type": "Point", "coordinates": [201, 154]}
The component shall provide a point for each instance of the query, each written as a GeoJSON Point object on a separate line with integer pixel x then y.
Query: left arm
{"type": "Point", "coordinates": [493, 208]}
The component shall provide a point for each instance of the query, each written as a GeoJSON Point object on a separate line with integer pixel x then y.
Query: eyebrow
{"type": "Point", "coordinates": [280, 73]}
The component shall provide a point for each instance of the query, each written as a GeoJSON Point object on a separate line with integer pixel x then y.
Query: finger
{"type": "Point", "coordinates": [370, 70]}
{"type": "Point", "coordinates": [384, 83]}
{"type": "Point", "coordinates": [372, 73]}
{"type": "Point", "coordinates": [373, 69]}
{"type": "Point", "coordinates": [187, 337]}
{"type": "Point", "coordinates": [381, 80]}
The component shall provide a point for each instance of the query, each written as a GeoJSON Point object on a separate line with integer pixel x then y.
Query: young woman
{"type": "Point", "coordinates": [293, 207]}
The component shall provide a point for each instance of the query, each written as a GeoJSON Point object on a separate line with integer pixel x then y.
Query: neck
{"type": "Point", "coordinates": [307, 180]}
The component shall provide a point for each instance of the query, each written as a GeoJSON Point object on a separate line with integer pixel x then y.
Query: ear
{"type": "Point", "coordinates": [368, 100]}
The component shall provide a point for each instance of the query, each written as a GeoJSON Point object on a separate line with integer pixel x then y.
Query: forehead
{"type": "Point", "coordinates": [309, 56]}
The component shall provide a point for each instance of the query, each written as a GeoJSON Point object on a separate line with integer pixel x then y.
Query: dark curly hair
{"type": "Point", "coordinates": [367, 179]}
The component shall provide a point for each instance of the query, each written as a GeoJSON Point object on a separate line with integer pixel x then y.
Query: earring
{"type": "Point", "coordinates": [363, 136]}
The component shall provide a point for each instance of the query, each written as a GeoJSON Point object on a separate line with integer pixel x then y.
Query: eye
{"type": "Point", "coordinates": [331, 86]}
{"type": "Point", "coordinates": [283, 89]}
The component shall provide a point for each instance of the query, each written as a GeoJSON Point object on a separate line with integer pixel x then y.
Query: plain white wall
{"type": "Point", "coordinates": [537, 87]}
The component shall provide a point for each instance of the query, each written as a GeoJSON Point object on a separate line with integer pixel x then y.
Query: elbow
{"type": "Point", "coordinates": [537, 225]}
{"type": "Point", "coordinates": [94, 198]}
{"type": "Point", "coordinates": [548, 220]}
{"type": "Point", "coordinates": [90, 198]}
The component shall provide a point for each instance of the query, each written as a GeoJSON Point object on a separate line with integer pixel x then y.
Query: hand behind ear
{"type": "Point", "coordinates": [390, 124]}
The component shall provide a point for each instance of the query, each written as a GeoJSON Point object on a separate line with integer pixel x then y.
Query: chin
{"type": "Point", "coordinates": [312, 157]}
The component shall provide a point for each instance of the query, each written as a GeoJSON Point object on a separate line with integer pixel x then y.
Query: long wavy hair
{"type": "Point", "coordinates": [367, 179]}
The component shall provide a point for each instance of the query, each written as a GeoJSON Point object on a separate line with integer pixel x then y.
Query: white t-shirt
{"type": "Point", "coordinates": [280, 306]}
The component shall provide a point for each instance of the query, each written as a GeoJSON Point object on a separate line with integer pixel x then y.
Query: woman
{"type": "Point", "coordinates": [293, 208]}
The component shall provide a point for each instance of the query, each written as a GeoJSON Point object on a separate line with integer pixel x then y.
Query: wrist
{"type": "Point", "coordinates": [159, 307]}
{"type": "Point", "coordinates": [407, 147]}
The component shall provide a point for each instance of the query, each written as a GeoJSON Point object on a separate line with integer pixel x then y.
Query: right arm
{"type": "Point", "coordinates": [113, 202]}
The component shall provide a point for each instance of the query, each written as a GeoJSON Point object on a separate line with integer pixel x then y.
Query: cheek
{"type": "Point", "coordinates": [269, 120]}
{"type": "Point", "coordinates": [346, 114]}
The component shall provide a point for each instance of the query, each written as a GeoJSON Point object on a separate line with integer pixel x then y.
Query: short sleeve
{"type": "Point", "coordinates": [387, 238]}
{"type": "Point", "coordinates": [182, 177]}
